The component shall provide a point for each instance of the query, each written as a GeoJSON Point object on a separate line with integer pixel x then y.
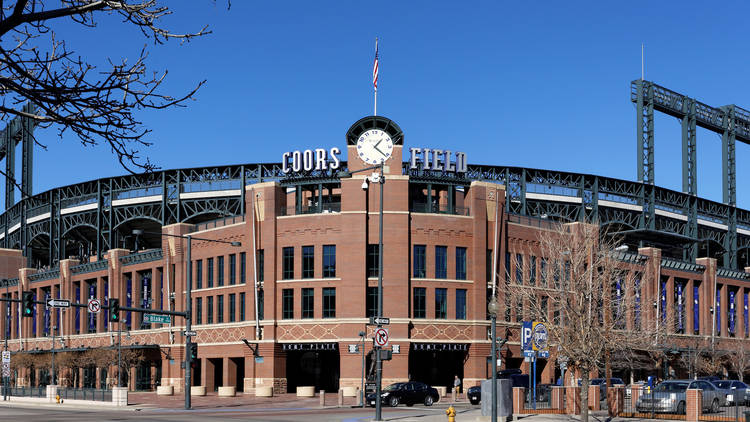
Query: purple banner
{"type": "Point", "coordinates": [106, 295]}
{"type": "Point", "coordinates": [78, 310]}
{"type": "Point", "coordinates": [718, 311]}
{"type": "Point", "coordinates": [92, 316]}
{"type": "Point", "coordinates": [47, 297]}
{"type": "Point", "coordinates": [128, 300]}
{"type": "Point", "coordinates": [663, 301]}
{"type": "Point", "coordinates": [680, 309]}
{"type": "Point", "coordinates": [744, 315]}
{"type": "Point", "coordinates": [637, 310]}
{"type": "Point", "coordinates": [696, 310]}
{"type": "Point", "coordinates": [730, 317]}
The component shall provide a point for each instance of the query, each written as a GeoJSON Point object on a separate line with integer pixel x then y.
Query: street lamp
{"type": "Point", "coordinates": [188, 299]}
{"type": "Point", "coordinates": [380, 179]}
{"type": "Point", "coordinates": [493, 307]}
{"type": "Point", "coordinates": [362, 334]}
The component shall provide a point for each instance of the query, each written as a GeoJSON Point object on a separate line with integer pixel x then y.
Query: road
{"type": "Point", "coordinates": [30, 413]}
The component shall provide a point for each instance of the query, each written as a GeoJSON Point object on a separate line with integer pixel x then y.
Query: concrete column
{"type": "Point", "coordinates": [207, 374]}
{"type": "Point", "coordinates": [229, 372]}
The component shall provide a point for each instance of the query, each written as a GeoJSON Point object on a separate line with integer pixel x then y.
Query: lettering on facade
{"type": "Point", "coordinates": [309, 160]}
{"type": "Point", "coordinates": [309, 346]}
{"type": "Point", "coordinates": [441, 347]}
{"type": "Point", "coordinates": [437, 160]}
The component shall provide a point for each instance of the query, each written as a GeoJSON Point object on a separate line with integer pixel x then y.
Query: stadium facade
{"type": "Point", "coordinates": [286, 308]}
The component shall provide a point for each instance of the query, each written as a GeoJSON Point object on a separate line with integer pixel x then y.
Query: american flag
{"type": "Point", "coordinates": [375, 67]}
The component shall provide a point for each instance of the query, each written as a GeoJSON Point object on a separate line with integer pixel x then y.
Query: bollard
{"type": "Point", "coordinates": [322, 398]}
{"type": "Point", "coordinates": [451, 413]}
{"type": "Point", "coordinates": [341, 397]}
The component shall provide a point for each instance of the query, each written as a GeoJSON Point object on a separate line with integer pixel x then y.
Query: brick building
{"type": "Point", "coordinates": [309, 243]}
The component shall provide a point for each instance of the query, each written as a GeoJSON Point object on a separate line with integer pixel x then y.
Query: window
{"type": "Point", "coordinates": [242, 306]}
{"type": "Point", "coordinates": [329, 261]}
{"type": "Point", "coordinates": [308, 302]}
{"type": "Point", "coordinates": [507, 266]}
{"type": "Point", "coordinates": [372, 301]}
{"type": "Point", "coordinates": [420, 302]}
{"type": "Point", "coordinates": [420, 262]}
{"type": "Point", "coordinates": [220, 275]}
{"type": "Point", "coordinates": [199, 310]}
{"type": "Point", "coordinates": [199, 274]}
{"type": "Point", "coordinates": [287, 262]}
{"type": "Point", "coordinates": [460, 303]}
{"type": "Point", "coordinates": [243, 267]}
{"type": "Point", "coordinates": [220, 309]}
{"type": "Point", "coordinates": [460, 263]}
{"type": "Point", "coordinates": [232, 269]}
{"type": "Point", "coordinates": [308, 262]}
{"type": "Point", "coordinates": [372, 260]}
{"type": "Point", "coordinates": [261, 306]}
{"type": "Point", "coordinates": [232, 307]}
{"type": "Point", "coordinates": [441, 262]}
{"type": "Point", "coordinates": [329, 302]}
{"type": "Point", "coordinates": [210, 310]}
{"type": "Point", "coordinates": [532, 270]}
{"type": "Point", "coordinates": [287, 304]}
{"type": "Point", "coordinates": [488, 262]}
{"type": "Point", "coordinates": [210, 272]}
{"type": "Point", "coordinates": [261, 264]}
{"type": "Point", "coordinates": [519, 268]}
{"type": "Point", "coordinates": [543, 271]}
{"type": "Point", "coordinates": [441, 303]}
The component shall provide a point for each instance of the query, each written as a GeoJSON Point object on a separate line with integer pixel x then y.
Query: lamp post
{"type": "Point", "coordinates": [188, 300]}
{"type": "Point", "coordinates": [362, 388]}
{"type": "Point", "coordinates": [493, 307]}
{"type": "Point", "coordinates": [5, 334]}
{"type": "Point", "coordinates": [380, 179]}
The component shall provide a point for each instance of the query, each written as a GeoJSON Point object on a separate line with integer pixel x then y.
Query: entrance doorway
{"type": "Point", "coordinates": [319, 368]}
{"type": "Point", "coordinates": [437, 364]}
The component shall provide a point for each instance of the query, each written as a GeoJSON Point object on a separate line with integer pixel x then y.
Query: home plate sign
{"type": "Point", "coordinates": [381, 337]}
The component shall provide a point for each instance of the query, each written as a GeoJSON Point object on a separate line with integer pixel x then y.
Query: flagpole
{"type": "Point", "coordinates": [375, 78]}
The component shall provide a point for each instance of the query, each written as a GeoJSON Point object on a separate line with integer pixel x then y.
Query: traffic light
{"type": "Point", "coordinates": [28, 304]}
{"type": "Point", "coordinates": [114, 309]}
{"type": "Point", "coordinates": [193, 351]}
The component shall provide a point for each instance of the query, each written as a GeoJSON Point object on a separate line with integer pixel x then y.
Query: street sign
{"type": "Point", "coordinates": [529, 353]}
{"type": "Point", "coordinates": [539, 336]}
{"type": "Point", "coordinates": [190, 333]}
{"type": "Point", "coordinates": [381, 337]}
{"type": "Point", "coordinates": [158, 319]}
{"type": "Point", "coordinates": [6, 356]}
{"type": "Point", "coordinates": [6, 369]}
{"type": "Point", "coordinates": [526, 335]}
{"type": "Point", "coordinates": [58, 303]}
{"type": "Point", "coordinates": [94, 306]}
{"type": "Point", "coordinates": [380, 321]}
{"type": "Point", "coordinates": [544, 354]}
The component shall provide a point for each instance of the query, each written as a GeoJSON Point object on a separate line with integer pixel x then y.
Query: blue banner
{"type": "Point", "coordinates": [637, 310]}
{"type": "Point", "coordinates": [33, 328]}
{"type": "Point", "coordinates": [663, 302]}
{"type": "Point", "coordinates": [47, 297]}
{"type": "Point", "coordinates": [128, 300]}
{"type": "Point", "coordinates": [92, 316]}
{"type": "Point", "coordinates": [680, 309]}
{"type": "Point", "coordinates": [747, 329]}
{"type": "Point", "coordinates": [78, 310]}
{"type": "Point", "coordinates": [106, 310]}
{"type": "Point", "coordinates": [145, 294]}
{"type": "Point", "coordinates": [696, 310]}
{"type": "Point", "coordinates": [731, 317]}
{"type": "Point", "coordinates": [718, 311]}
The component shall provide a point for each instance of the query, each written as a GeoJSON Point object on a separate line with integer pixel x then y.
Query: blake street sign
{"type": "Point", "coordinates": [158, 319]}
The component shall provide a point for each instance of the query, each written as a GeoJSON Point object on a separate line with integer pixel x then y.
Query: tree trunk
{"type": "Point", "coordinates": [584, 396]}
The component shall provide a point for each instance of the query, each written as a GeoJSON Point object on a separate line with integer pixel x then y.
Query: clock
{"type": "Point", "coordinates": [374, 146]}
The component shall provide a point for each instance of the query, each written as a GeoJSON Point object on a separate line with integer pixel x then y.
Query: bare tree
{"type": "Point", "coordinates": [68, 91]}
{"type": "Point", "coordinates": [588, 303]}
{"type": "Point", "coordinates": [739, 358]}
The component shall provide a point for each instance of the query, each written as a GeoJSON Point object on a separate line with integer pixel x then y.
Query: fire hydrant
{"type": "Point", "coordinates": [57, 397]}
{"type": "Point", "coordinates": [451, 413]}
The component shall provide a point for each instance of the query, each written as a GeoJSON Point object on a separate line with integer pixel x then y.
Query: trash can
{"type": "Point", "coordinates": [504, 398]}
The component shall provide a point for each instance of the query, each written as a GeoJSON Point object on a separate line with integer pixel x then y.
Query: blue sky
{"type": "Point", "coordinates": [535, 84]}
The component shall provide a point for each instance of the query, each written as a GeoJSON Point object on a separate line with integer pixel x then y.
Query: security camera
{"type": "Point", "coordinates": [365, 185]}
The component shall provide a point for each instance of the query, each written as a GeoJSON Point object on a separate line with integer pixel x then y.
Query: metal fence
{"type": "Point", "coordinates": [26, 391]}
{"type": "Point", "coordinates": [643, 403]}
{"type": "Point", "coordinates": [542, 402]}
{"type": "Point", "coordinates": [85, 394]}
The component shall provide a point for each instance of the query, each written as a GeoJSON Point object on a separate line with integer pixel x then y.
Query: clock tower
{"type": "Point", "coordinates": [372, 140]}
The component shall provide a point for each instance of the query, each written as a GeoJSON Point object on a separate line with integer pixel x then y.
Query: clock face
{"type": "Point", "coordinates": [374, 146]}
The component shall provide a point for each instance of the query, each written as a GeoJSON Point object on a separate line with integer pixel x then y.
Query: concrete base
{"type": "Point", "coordinates": [227, 391]}
{"type": "Point", "coordinates": [442, 391]}
{"type": "Point", "coordinates": [197, 390]}
{"type": "Point", "coordinates": [350, 391]}
{"type": "Point", "coordinates": [165, 390]}
{"type": "Point", "coordinates": [120, 396]}
{"type": "Point", "coordinates": [51, 393]}
{"type": "Point", "coordinates": [263, 391]}
{"type": "Point", "coordinates": [307, 391]}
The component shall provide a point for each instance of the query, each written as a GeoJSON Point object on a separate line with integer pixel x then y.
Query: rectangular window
{"type": "Point", "coordinates": [261, 264]}
{"type": "Point", "coordinates": [460, 263]}
{"type": "Point", "coordinates": [199, 274]}
{"type": "Point", "coordinates": [308, 302]}
{"type": "Point", "coordinates": [441, 303]}
{"type": "Point", "coordinates": [232, 307]}
{"type": "Point", "coordinates": [199, 310]}
{"type": "Point", "coordinates": [519, 268]}
{"type": "Point", "coordinates": [489, 262]}
{"type": "Point", "coordinates": [308, 261]}
{"type": "Point", "coordinates": [460, 303]}
{"type": "Point", "coordinates": [261, 306]}
{"type": "Point", "coordinates": [532, 270]}
{"type": "Point", "coordinates": [420, 302]}
{"type": "Point", "coordinates": [329, 261]}
{"type": "Point", "coordinates": [243, 267]}
{"type": "Point", "coordinates": [441, 262]}
{"type": "Point", "coordinates": [287, 304]}
{"type": "Point", "coordinates": [220, 309]}
{"type": "Point", "coordinates": [220, 275]}
{"type": "Point", "coordinates": [209, 273]}
{"type": "Point", "coordinates": [543, 271]}
{"type": "Point", "coordinates": [329, 302]}
{"type": "Point", "coordinates": [242, 306]}
{"type": "Point", "coordinates": [232, 269]}
{"type": "Point", "coordinates": [372, 301]}
{"type": "Point", "coordinates": [287, 262]}
{"type": "Point", "coordinates": [210, 310]}
{"type": "Point", "coordinates": [507, 266]}
{"type": "Point", "coordinates": [420, 261]}
{"type": "Point", "coordinates": [372, 260]}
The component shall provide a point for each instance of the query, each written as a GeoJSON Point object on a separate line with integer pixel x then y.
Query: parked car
{"type": "Point", "coordinates": [671, 397]}
{"type": "Point", "coordinates": [602, 383]}
{"type": "Point", "coordinates": [408, 393]}
{"type": "Point", "coordinates": [543, 391]}
{"type": "Point", "coordinates": [474, 394]}
{"type": "Point", "coordinates": [734, 391]}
